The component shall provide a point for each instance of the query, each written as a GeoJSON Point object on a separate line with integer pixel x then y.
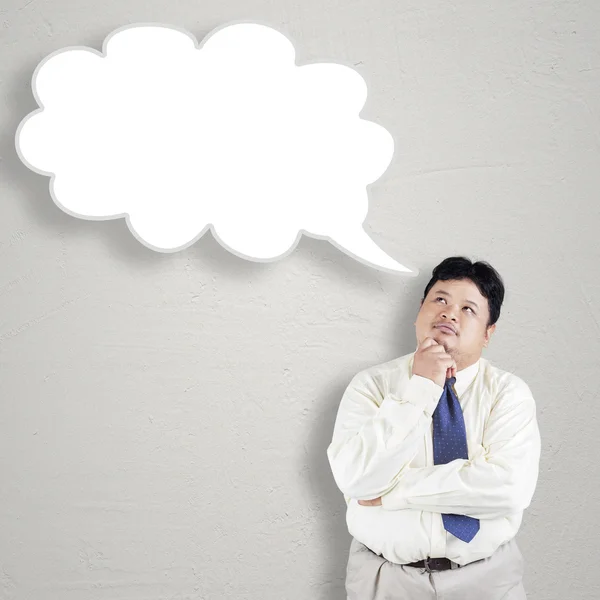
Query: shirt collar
{"type": "Point", "coordinates": [465, 377]}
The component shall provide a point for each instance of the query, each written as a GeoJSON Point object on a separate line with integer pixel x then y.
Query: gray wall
{"type": "Point", "coordinates": [164, 417]}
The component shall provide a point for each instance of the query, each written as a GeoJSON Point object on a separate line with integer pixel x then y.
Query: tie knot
{"type": "Point", "coordinates": [450, 381]}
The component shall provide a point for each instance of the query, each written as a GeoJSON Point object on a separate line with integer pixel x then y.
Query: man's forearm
{"type": "Point", "coordinates": [484, 487]}
{"type": "Point", "coordinates": [499, 478]}
{"type": "Point", "coordinates": [372, 444]}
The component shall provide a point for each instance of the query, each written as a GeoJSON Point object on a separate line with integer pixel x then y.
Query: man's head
{"type": "Point", "coordinates": [467, 297]}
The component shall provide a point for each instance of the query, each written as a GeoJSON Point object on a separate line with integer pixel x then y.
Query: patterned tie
{"type": "Point", "coordinates": [450, 443]}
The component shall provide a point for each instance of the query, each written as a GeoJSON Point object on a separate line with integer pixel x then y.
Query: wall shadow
{"type": "Point", "coordinates": [319, 478]}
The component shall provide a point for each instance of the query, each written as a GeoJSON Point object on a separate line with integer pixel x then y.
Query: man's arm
{"type": "Point", "coordinates": [499, 480]}
{"type": "Point", "coordinates": [375, 437]}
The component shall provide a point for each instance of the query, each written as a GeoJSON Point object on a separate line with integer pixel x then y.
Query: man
{"type": "Point", "coordinates": [437, 455]}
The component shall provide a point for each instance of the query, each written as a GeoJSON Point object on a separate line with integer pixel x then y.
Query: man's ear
{"type": "Point", "coordinates": [488, 333]}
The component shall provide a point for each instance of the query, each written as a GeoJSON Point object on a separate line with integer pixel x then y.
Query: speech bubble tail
{"type": "Point", "coordinates": [360, 246]}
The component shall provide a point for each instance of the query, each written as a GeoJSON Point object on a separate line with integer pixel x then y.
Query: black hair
{"type": "Point", "coordinates": [482, 274]}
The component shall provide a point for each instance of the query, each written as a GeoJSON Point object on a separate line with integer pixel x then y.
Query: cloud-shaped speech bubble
{"type": "Point", "coordinates": [231, 134]}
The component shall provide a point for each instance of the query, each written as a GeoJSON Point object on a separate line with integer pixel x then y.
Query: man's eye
{"type": "Point", "coordinates": [440, 298]}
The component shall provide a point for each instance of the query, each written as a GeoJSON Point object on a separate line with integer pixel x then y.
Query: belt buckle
{"type": "Point", "coordinates": [427, 567]}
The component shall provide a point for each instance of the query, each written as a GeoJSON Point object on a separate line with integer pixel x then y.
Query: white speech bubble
{"type": "Point", "coordinates": [231, 135]}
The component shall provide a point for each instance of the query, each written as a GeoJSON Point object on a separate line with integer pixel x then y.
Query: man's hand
{"type": "Point", "coordinates": [433, 362]}
{"type": "Point", "coordinates": [375, 502]}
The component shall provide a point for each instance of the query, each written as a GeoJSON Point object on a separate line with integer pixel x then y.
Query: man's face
{"type": "Point", "coordinates": [459, 305]}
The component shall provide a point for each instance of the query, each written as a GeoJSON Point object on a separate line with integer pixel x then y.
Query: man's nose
{"type": "Point", "coordinates": [450, 313]}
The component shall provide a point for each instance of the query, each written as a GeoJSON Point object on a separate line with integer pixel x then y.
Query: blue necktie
{"type": "Point", "coordinates": [450, 443]}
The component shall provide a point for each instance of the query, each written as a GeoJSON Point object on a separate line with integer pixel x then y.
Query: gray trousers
{"type": "Point", "coordinates": [372, 577]}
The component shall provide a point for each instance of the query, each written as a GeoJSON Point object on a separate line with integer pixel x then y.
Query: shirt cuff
{"type": "Point", "coordinates": [423, 393]}
{"type": "Point", "coordinates": [394, 500]}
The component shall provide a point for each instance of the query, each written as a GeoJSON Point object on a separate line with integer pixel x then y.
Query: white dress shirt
{"type": "Point", "coordinates": [383, 446]}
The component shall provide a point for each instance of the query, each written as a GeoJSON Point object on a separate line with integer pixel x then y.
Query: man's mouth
{"type": "Point", "coordinates": [446, 329]}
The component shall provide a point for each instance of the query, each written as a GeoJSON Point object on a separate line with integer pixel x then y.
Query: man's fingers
{"type": "Point", "coordinates": [434, 349]}
{"type": "Point", "coordinates": [446, 361]}
{"type": "Point", "coordinates": [450, 368]}
{"type": "Point", "coordinates": [374, 502]}
{"type": "Point", "coordinates": [428, 341]}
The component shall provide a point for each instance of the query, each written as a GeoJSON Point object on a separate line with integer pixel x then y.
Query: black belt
{"type": "Point", "coordinates": [433, 564]}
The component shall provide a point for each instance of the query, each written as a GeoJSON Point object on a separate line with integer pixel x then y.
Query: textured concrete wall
{"type": "Point", "coordinates": [164, 418]}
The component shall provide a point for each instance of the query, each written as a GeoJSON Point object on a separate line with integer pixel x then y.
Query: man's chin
{"type": "Point", "coordinates": [447, 341]}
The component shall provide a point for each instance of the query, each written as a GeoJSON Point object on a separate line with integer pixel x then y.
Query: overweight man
{"type": "Point", "coordinates": [437, 455]}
